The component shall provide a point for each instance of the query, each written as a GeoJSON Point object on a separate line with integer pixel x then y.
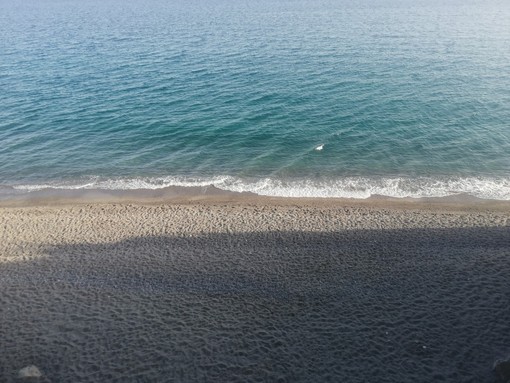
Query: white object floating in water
{"type": "Point", "coordinates": [320, 147]}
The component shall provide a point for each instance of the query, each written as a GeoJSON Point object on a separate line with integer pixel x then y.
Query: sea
{"type": "Point", "coordinates": [290, 98]}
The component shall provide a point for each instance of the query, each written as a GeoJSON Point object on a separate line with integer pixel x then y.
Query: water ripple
{"type": "Point", "coordinates": [393, 91]}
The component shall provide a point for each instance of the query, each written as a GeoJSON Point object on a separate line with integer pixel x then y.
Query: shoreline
{"type": "Point", "coordinates": [449, 188]}
{"type": "Point", "coordinates": [212, 195]}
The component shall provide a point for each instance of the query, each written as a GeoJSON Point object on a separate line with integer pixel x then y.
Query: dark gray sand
{"type": "Point", "coordinates": [248, 292]}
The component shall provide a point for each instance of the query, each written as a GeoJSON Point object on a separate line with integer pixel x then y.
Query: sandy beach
{"type": "Point", "coordinates": [254, 289]}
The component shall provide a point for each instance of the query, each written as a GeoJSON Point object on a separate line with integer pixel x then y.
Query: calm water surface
{"type": "Point", "coordinates": [407, 98]}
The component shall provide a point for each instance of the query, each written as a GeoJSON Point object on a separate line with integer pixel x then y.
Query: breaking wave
{"type": "Point", "coordinates": [346, 187]}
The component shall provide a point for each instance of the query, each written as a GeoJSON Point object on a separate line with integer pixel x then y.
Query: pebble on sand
{"type": "Point", "coordinates": [29, 372]}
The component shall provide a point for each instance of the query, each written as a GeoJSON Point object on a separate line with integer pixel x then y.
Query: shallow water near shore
{"type": "Point", "coordinates": [404, 99]}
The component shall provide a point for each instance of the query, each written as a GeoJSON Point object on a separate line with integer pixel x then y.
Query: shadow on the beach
{"type": "Point", "coordinates": [417, 305]}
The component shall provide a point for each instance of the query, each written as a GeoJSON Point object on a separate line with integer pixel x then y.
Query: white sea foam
{"type": "Point", "coordinates": [346, 187]}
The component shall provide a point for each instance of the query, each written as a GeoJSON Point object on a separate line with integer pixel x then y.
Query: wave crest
{"type": "Point", "coordinates": [346, 187]}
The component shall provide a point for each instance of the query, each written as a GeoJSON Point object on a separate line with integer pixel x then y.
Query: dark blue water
{"type": "Point", "coordinates": [407, 98]}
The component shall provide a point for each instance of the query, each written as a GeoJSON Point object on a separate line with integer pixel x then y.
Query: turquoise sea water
{"type": "Point", "coordinates": [407, 98]}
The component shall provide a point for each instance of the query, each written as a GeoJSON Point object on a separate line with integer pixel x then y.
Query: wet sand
{"type": "Point", "coordinates": [223, 289]}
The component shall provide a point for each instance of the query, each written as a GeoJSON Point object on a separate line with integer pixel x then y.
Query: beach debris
{"type": "Point", "coordinates": [320, 147]}
{"type": "Point", "coordinates": [502, 368]}
{"type": "Point", "coordinates": [29, 372]}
